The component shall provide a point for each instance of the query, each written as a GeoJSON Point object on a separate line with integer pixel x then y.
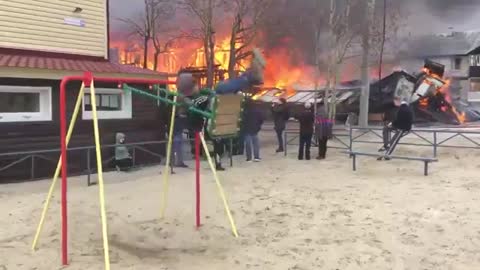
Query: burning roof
{"type": "Point", "coordinates": [431, 95]}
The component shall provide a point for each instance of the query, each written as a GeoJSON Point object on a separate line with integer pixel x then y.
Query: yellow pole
{"type": "Point", "coordinates": [219, 185]}
{"type": "Point", "coordinates": [59, 166]}
{"type": "Point", "coordinates": [100, 177]}
{"type": "Point", "coordinates": [166, 172]}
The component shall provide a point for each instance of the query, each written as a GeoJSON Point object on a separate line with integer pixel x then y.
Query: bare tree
{"type": "Point", "coordinates": [340, 37]}
{"type": "Point", "coordinates": [163, 32]}
{"type": "Point", "coordinates": [144, 26]}
{"type": "Point", "coordinates": [204, 11]}
{"type": "Point", "coordinates": [247, 18]}
{"type": "Point", "coordinates": [365, 95]}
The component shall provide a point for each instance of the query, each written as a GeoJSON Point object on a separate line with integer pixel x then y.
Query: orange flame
{"type": "Point", "coordinates": [280, 72]}
{"type": "Point", "coordinates": [444, 91]}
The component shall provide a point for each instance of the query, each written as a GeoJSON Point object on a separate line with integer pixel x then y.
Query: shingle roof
{"type": "Point", "coordinates": [55, 63]}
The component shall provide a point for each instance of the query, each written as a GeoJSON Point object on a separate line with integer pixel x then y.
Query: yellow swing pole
{"type": "Point", "coordinates": [100, 177]}
{"type": "Point", "coordinates": [219, 185]}
{"type": "Point", "coordinates": [59, 166]}
{"type": "Point", "coordinates": [166, 172]}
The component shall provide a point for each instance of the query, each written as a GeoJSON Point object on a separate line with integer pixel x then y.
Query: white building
{"type": "Point", "coordinates": [457, 51]}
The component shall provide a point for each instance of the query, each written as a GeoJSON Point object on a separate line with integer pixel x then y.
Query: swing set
{"type": "Point", "coordinates": [223, 121]}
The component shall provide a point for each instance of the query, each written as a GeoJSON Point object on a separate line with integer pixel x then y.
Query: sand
{"type": "Point", "coordinates": [290, 215]}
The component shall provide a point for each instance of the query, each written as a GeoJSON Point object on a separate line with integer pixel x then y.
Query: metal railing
{"type": "Point", "coordinates": [134, 148]}
{"type": "Point", "coordinates": [291, 137]}
{"type": "Point", "coordinates": [435, 138]}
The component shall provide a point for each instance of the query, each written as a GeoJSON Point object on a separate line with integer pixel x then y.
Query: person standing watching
{"type": "Point", "coordinates": [280, 114]}
{"type": "Point", "coordinates": [253, 119]}
{"type": "Point", "coordinates": [306, 119]}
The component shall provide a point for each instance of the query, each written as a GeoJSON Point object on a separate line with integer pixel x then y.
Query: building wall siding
{"type": "Point", "coordinates": [39, 25]}
{"type": "Point", "coordinates": [147, 124]}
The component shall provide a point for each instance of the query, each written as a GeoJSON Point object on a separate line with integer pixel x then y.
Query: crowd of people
{"type": "Point", "coordinates": [311, 127]}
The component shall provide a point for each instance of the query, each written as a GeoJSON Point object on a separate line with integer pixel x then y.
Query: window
{"type": "Point", "coordinates": [25, 103]}
{"type": "Point", "coordinates": [111, 104]}
{"type": "Point", "coordinates": [458, 63]}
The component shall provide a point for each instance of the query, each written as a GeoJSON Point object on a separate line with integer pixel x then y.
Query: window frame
{"type": "Point", "coordinates": [459, 61]}
{"type": "Point", "coordinates": [124, 113]}
{"type": "Point", "coordinates": [45, 104]}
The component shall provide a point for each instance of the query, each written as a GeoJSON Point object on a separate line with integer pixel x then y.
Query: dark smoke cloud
{"type": "Point", "coordinates": [455, 10]}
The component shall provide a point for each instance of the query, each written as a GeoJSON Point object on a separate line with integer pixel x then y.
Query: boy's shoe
{"type": "Point", "coordinates": [257, 160]}
{"type": "Point", "coordinates": [219, 167]}
{"type": "Point", "coordinates": [320, 158]}
{"type": "Point", "coordinates": [279, 150]}
{"type": "Point", "coordinates": [249, 160]}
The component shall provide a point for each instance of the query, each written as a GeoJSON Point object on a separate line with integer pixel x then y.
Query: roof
{"type": "Point", "coordinates": [65, 64]}
{"type": "Point", "coordinates": [457, 43]}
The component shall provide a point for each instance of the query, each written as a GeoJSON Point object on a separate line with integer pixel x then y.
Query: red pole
{"type": "Point", "coordinates": [63, 133]}
{"type": "Point", "coordinates": [197, 176]}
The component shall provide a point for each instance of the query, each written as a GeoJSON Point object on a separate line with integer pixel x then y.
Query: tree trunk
{"type": "Point", "coordinates": [209, 45]}
{"type": "Point", "coordinates": [364, 98]}
{"type": "Point", "coordinates": [317, 68]}
{"type": "Point", "coordinates": [232, 61]}
{"type": "Point", "coordinates": [145, 52]}
{"type": "Point", "coordinates": [155, 59]}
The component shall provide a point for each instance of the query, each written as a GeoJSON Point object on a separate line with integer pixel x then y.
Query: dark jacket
{"type": "Point", "coordinates": [404, 119]}
{"type": "Point", "coordinates": [252, 120]}
{"type": "Point", "coordinates": [280, 116]}
{"type": "Point", "coordinates": [306, 120]}
{"type": "Point", "coordinates": [323, 127]}
{"type": "Point", "coordinates": [196, 121]}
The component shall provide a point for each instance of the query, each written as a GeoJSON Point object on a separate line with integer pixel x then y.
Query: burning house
{"type": "Point", "coordinates": [432, 96]}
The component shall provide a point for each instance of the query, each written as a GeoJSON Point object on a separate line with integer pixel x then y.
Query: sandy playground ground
{"type": "Point", "coordinates": [290, 215]}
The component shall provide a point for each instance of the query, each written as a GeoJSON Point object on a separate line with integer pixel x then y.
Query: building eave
{"type": "Point", "coordinates": [34, 73]}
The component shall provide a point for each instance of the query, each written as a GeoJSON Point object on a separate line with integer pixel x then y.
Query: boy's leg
{"type": "Point", "coordinates": [232, 86]}
{"type": "Point", "coordinates": [386, 134]}
{"type": "Point", "coordinates": [301, 147]}
{"type": "Point", "coordinates": [218, 152]}
{"type": "Point", "coordinates": [308, 144]}
{"type": "Point", "coordinates": [325, 147]}
{"type": "Point", "coordinates": [179, 151]}
{"type": "Point", "coordinates": [322, 145]}
{"type": "Point", "coordinates": [280, 140]}
{"type": "Point", "coordinates": [248, 147]}
{"type": "Point", "coordinates": [256, 147]}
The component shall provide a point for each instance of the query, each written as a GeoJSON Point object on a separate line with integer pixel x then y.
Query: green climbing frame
{"type": "Point", "coordinates": [224, 115]}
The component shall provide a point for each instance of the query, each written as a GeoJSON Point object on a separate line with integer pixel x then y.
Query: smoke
{"type": "Point", "coordinates": [453, 10]}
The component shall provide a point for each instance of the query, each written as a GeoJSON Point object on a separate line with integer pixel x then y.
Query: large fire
{"type": "Point", "coordinates": [442, 93]}
{"type": "Point", "coordinates": [185, 54]}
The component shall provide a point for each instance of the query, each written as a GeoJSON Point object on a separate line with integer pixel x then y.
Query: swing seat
{"type": "Point", "coordinates": [227, 116]}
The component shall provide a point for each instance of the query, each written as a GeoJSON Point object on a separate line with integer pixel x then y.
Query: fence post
{"type": "Point", "coordinates": [32, 168]}
{"type": "Point", "coordinates": [435, 144]}
{"type": "Point", "coordinates": [350, 138]}
{"type": "Point", "coordinates": [89, 169]}
{"type": "Point", "coordinates": [231, 152]}
{"type": "Point", "coordinates": [285, 143]}
{"type": "Point", "coordinates": [133, 156]}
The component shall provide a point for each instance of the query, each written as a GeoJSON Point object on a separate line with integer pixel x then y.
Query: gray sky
{"type": "Point", "coordinates": [426, 16]}
{"type": "Point", "coordinates": [437, 16]}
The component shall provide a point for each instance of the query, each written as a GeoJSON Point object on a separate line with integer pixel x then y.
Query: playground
{"type": "Point", "coordinates": [289, 214]}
